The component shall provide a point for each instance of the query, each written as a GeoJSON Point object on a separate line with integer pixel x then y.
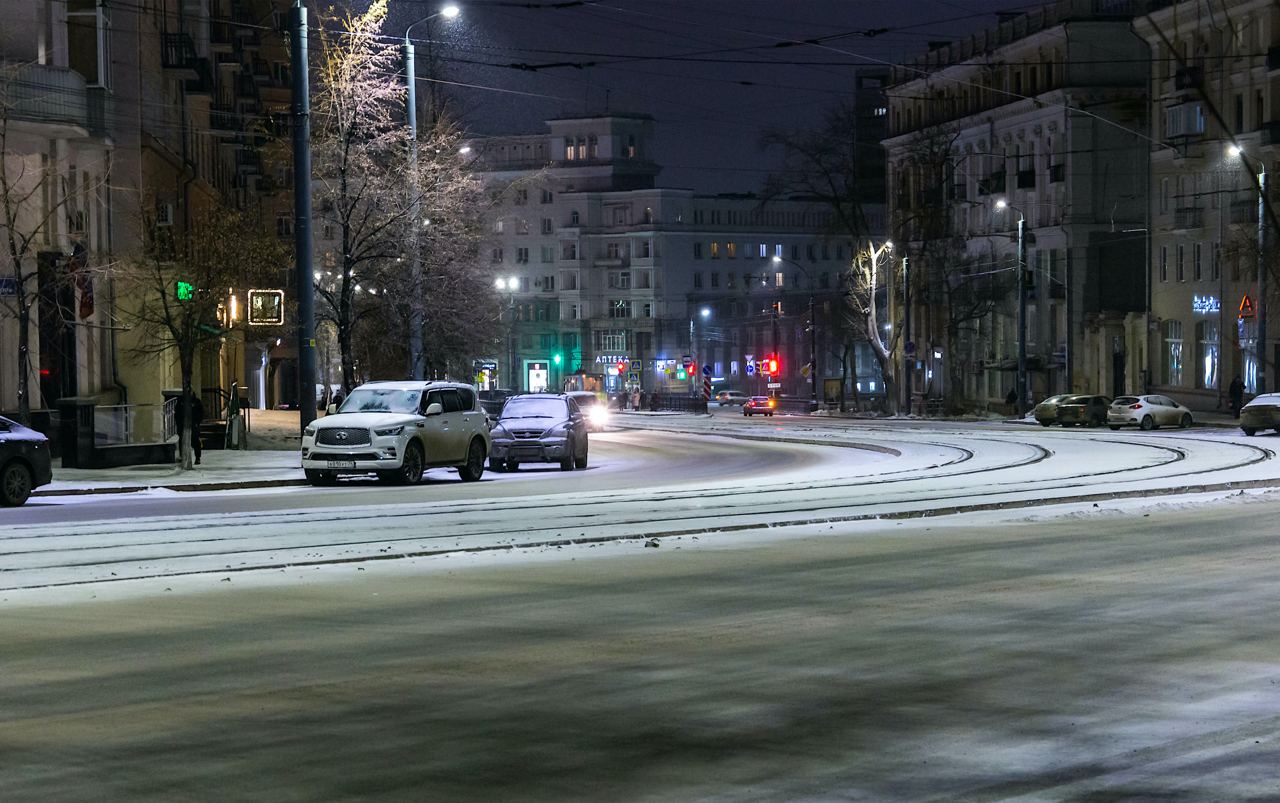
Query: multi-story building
{"type": "Point", "coordinates": [1215, 109]}
{"type": "Point", "coordinates": [600, 267]}
{"type": "Point", "coordinates": [1045, 112]}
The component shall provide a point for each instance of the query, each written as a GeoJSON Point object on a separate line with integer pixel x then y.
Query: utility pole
{"type": "Point", "coordinates": [1262, 278]}
{"type": "Point", "coordinates": [304, 272]}
{"type": "Point", "coordinates": [813, 353]}
{"type": "Point", "coordinates": [1022, 316]}
{"type": "Point", "coordinates": [908, 358]}
{"type": "Point", "coordinates": [416, 362]}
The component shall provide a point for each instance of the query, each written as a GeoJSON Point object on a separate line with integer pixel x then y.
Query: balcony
{"type": "Point", "coordinates": [223, 120]}
{"type": "Point", "coordinates": [220, 36]}
{"type": "Point", "coordinates": [179, 55]}
{"type": "Point", "coordinates": [202, 84]}
{"type": "Point", "coordinates": [50, 96]}
{"type": "Point", "coordinates": [1190, 217]}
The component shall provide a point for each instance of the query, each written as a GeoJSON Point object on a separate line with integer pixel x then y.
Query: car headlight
{"type": "Point", "coordinates": [599, 415]}
{"type": "Point", "coordinates": [382, 433]}
{"type": "Point", "coordinates": [558, 431]}
{"type": "Point", "coordinates": [309, 432]}
{"type": "Point", "coordinates": [499, 432]}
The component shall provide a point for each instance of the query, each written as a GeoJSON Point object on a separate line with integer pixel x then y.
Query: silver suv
{"type": "Point", "coordinates": [398, 430]}
{"type": "Point", "coordinates": [539, 428]}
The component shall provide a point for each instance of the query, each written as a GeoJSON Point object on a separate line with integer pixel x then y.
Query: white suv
{"type": "Point", "coordinates": [398, 430]}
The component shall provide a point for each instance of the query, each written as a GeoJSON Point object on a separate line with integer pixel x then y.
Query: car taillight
{"type": "Point", "coordinates": [1137, 406]}
{"type": "Point", "coordinates": [772, 403]}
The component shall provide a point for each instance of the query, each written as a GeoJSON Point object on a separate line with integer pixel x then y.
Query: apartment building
{"type": "Point", "coordinates": [1215, 108]}
{"type": "Point", "coordinates": [1047, 113]}
{"type": "Point", "coordinates": [602, 269]}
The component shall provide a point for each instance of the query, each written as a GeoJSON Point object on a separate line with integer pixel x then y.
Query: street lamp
{"type": "Point", "coordinates": [509, 285]}
{"type": "Point", "coordinates": [778, 259]}
{"type": "Point", "coordinates": [417, 360]}
{"type": "Point", "coordinates": [1002, 204]}
{"type": "Point", "coordinates": [1260, 339]}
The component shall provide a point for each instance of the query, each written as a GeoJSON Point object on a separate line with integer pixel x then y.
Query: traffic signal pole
{"type": "Point", "coordinates": [304, 272]}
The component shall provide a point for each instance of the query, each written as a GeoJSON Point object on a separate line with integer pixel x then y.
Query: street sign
{"type": "Point", "coordinates": [686, 359]}
{"type": "Point", "coordinates": [706, 370]}
{"type": "Point", "coordinates": [266, 307]}
{"type": "Point", "coordinates": [751, 369]}
{"type": "Point", "coordinates": [8, 286]}
{"type": "Point", "coordinates": [774, 385]}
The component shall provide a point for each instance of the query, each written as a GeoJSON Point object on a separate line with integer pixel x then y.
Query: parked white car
{"type": "Point", "coordinates": [398, 430]}
{"type": "Point", "coordinates": [1147, 412]}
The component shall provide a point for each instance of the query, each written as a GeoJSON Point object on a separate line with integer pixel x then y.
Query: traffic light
{"type": "Point", "coordinates": [557, 358]}
{"type": "Point", "coordinates": [770, 365]}
{"type": "Point", "coordinates": [681, 376]}
{"type": "Point", "coordinates": [622, 367]}
{"type": "Point", "coordinates": [184, 291]}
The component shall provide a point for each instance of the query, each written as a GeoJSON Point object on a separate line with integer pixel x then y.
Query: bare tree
{"type": "Point", "coordinates": [179, 286]}
{"type": "Point", "coordinates": [869, 273]}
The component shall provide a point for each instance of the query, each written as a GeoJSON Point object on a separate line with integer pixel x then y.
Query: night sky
{"type": "Point", "coordinates": [709, 71]}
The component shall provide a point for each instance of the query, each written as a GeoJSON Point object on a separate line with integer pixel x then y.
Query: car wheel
{"type": "Point", "coordinates": [1186, 421]}
{"type": "Point", "coordinates": [473, 469]}
{"type": "Point", "coordinates": [1148, 423]}
{"type": "Point", "coordinates": [566, 463]}
{"type": "Point", "coordinates": [581, 462]}
{"type": "Point", "coordinates": [1248, 431]}
{"type": "Point", "coordinates": [410, 471]}
{"type": "Point", "coordinates": [1114, 428]}
{"type": "Point", "coordinates": [15, 484]}
{"type": "Point", "coordinates": [321, 478]}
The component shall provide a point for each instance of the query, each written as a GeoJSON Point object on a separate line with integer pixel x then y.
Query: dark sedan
{"type": "Point", "coordinates": [24, 462]}
{"type": "Point", "coordinates": [1086, 411]}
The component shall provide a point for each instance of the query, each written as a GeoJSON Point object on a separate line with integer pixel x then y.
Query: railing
{"type": "Point", "coordinates": [1191, 217]}
{"type": "Point", "coordinates": [126, 424]}
{"type": "Point", "coordinates": [677, 402]}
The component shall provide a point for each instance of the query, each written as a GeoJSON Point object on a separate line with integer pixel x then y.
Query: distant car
{"type": "Point", "coordinates": [397, 430]}
{"type": "Point", "coordinates": [1263, 412]}
{"type": "Point", "coordinates": [1147, 412]}
{"type": "Point", "coordinates": [759, 405]}
{"type": "Point", "coordinates": [1087, 411]}
{"type": "Point", "coordinates": [727, 398]}
{"type": "Point", "coordinates": [596, 411]}
{"type": "Point", "coordinates": [1046, 412]}
{"type": "Point", "coordinates": [24, 462]}
{"type": "Point", "coordinates": [539, 428]}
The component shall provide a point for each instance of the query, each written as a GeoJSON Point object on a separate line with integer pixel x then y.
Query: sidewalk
{"type": "Point", "coordinates": [218, 470]}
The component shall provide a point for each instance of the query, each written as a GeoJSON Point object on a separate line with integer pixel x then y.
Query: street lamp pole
{"type": "Point", "coordinates": [509, 286]}
{"type": "Point", "coordinates": [1022, 305]}
{"type": "Point", "coordinates": [304, 272]}
{"type": "Point", "coordinates": [417, 360]}
{"type": "Point", "coordinates": [907, 359]}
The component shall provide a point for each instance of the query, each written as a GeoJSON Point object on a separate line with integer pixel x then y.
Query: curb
{"type": "Point", "coordinates": [184, 487]}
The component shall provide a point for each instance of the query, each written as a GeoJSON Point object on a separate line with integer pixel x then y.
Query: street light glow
{"type": "Point", "coordinates": [777, 260]}
{"type": "Point", "coordinates": [450, 12]}
{"type": "Point", "coordinates": [1002, 204]}
{"type": "Point", "coordinates": [1234, 151]}
{"type": "Point", "coordinates": [706, 312]}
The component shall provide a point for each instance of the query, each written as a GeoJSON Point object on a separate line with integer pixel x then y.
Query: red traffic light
{"type": "Point", "coordinates": [771, 365]}
{"type": "Point", "coordinates": [622, 366]}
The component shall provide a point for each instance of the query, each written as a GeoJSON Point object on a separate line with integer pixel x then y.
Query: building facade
{"type": "Point", "coordinates": [1215, 107]}
{"type": "Point", "coordinates": [1045, 113]}
{"type": "Point", "coordinates": [605, 273]}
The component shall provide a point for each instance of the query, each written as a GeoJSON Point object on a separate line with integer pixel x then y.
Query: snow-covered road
{"type": "Point", "coordinates": [665, 476]}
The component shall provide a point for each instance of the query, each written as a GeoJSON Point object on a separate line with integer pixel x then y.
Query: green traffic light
{"type": "Point", "coordinates": [681, 375]}
{"type": "Point", "coordinates": [557, 358]}
{"type": "Point", "coordinates": [184, 291]}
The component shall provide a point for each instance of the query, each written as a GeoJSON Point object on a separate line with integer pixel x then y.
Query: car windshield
{"type": "Point", "coordinates": [377, 400]}
{"type": "Point", "coordinates": [533, 408]}
{"type": "Point", "coordinates": [586, 400]}
{"type": "Point", "coordinates": [1054, 400]}
{"type": "Point", "coordinates": [1127, 400]}
{"type": "Point", "coordinates": [1258, 401]}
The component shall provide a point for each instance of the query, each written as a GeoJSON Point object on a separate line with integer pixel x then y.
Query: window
{"type": "Point", "coordinates": [620, 280]}
{"type": "Point", "coordinates": [593, 147]}
{"type": "Point", "coordinates": [522, 255]}
{"type": "Point", "coordinates": [1207, 355]}
{"type": "Point", "coordinates": [1215, 262]}
{"type": "Point", "coordinates": [764, 251]}
{"type": "Point", "coordinates": [631, 146]}
{"type": "Point", "coordinates": [613, 250]}
{"type": "Point", "coordinates": [499, 226]}
{"type": "Point", "coordinates": [572, 312]}
{"type": "Point", "coordinates": [644, 249]}
{"type": "Point", "coordinates": [1180, 267]}
{"type": "Point", "coordinates": [731, 250]}
{"type": "Point", "coordinates": [547, 196]}
{"type": "Point", "coordinates": [1197, 262]}
{"type": "Point", "coordinates": [548, 283]}
{"type": "Point", "coordinates": [1184, 120]}
{"type": "Point", "coordinates": [642, 279]}
{"type": "Point", "coordinates": [715, 250]}
{"type": "Point", "coordinates": [824, 281]}
{"type": "Point", "coordinates": [495, 256]}
{"type": "Point", "coordinates": [697, 250]}
{"type": "Point", "coordinates": [620, 308]}
{"type": "Point", "coordinates": [811, 252]}
{"type": "Point", "coordinates": [568, 250]}
{"type": "Point", "coordinates": [610, 340]}
{"type": "Point", "coordinates": [547, 254]}
{"type": "Point", "coordinates": [548, 225]}
{"type": "Point", "coordinates": [88, 40]}
{"type": "Point", "coordinates": [569, 280]}
{"type": "Point", "coordinates": [1164, 263]}
{"type": "Point", "coordinates": [284, 225]}
{"type": "Point", "coordinates": [778, 279]}
{"type": "Point", "coordinates": [581, 148]}
{"type": "Point", "coordinates": [574, 219]}
{"type": "Point", "coordinates": [731, 280]}
{"type": "Point", "coordinates": [521, 196]}
{"type": "Point", "coordinates": [1173, 353]}
{"type": "Point", "coordinates": [646, 310]}
{"type": "Point", "coordinates": [715, 278]}
{"type": "Point", "coordinates": [524, 284]}
{"type": "Point", "coordinates": [522, 226]}
{"type": "Point", "coordinates": [648, 214]}
{"type": "Point", "coordinates": [697, 280]}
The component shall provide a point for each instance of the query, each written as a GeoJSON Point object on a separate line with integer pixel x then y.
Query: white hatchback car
{"type": "Point", "coordinates": [398, 430]}
{"type": "Point", "coordinates": [1147, 412]}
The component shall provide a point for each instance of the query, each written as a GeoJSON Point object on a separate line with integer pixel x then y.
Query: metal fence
{"type": "Point", "coordinates": [124, 424]}
{"type": "Point", "coordinates": [677, 402]}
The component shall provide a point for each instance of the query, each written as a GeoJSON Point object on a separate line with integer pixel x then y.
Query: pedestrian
{"type": "Point", "coordinates": [635, 399]}
{"type": "Point", "coordinates": [1011, 398]}
{"type": "Point", "coordinates": [338, 398]}
{"type": "Point", "coordinates": [197, 418]}
{"type": "Point", "coordinates": [1236, 394]}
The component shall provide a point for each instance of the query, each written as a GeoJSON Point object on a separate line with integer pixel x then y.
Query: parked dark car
{"type": "Point", "coordinates": [539, 428]}
{"type": "Point", "coordinates": [1046, 412]}
{"type": "Point", "coordinates": [1263, 412]}
{"type": "Point", "coordinates": [24, 462]}
{"type": "Point", "coordinates": [1085, 411]}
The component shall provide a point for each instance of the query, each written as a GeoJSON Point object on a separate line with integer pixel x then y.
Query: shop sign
{"type": "Point", "coordinates": [266, 307]}
{"type": "Point", "coordinates": [1204, 305]}
{"type": "Point", "coordinates": [1247, 309]}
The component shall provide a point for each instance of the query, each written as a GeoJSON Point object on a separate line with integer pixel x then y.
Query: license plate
{"type": "Point", "coordinates": [340, 464]}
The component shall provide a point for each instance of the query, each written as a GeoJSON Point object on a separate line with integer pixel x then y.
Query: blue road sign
{"type": "Point", "coordinates": [706, 370]}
